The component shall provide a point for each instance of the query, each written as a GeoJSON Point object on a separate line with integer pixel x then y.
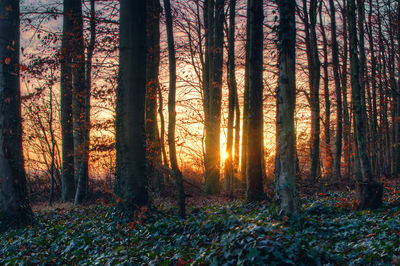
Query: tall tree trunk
{"type": "Point", "coordinates": [90, 51]}
{"type": "Point", "coordinates": [208, 14]}
{"type": "Point", "coordinates": [79, 102]}
{"type": "Point", "coordinates": [14, 204]}
{"type": "Point", "coordinates": [327, 125]}
{"type": "Point", "coordinates": [68, 181]}
{"type": "Point", "coordinates": [383, 104]}
{"type": "Point", "coordinates": [255, 188]}
{"type": "Point", "coordinates": [172, 112]}
{"type": "Point", "coordinates": [245, 126]}
{"type": "Point", "coordinates": [152, 83]}
{"type": "Point", "coordinates": [335, 67]}
{"type": "Point", "coordinates": [285, 166]}
{"type": "Point", "coordinates": [374, 112]}
{"type": "Point", "coordinates": [130, 176]}
{"type": "Point", "coordinates": [396, 152]}
{"type": "Point", "coordinates": [310, 20]}
{"type": "Point", "coordinates": [215, 90]}
{"type": "Point", "coordinates": [346, 115]}
{"type": "Point", "coordinates": [232, 104]}
{"type": "Point", "coordinates": [370, 191]}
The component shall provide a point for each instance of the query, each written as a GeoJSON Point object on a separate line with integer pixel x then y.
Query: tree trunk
{"type": "Point", "coordinates": [245, 104]}
{"type": "Point", "coordinates": [396, 152]}
{"type": "Point", "coordinates": [215, 90]}
{"type": "Point", "coordinates": [78, 103]}
{"type": "Point", "coordinates": [152, 83]}
{"type": "Point", "coordinates": [68, 181]}
{"type": "Point", "coordinates": [14, 204]}
{"type": "Point", "coordinates": [172, 112]}
{"type": "Point", "coordinates": [310, 20]}
{"type": "Point", "coordinates": [232, 104]}
{"type": "Point", "coordinates": [370, 191]}
{"type": "Point", "coordinates": [374, 112]}
{"type": "Point", "coordinates": [285, 166]}
{"type": "Point", "coordinates": [335, 67]}
{"type": "Point", "coordinates": [131, 183]}
{"type": "Point", "coordinates": [347, 148]}
{"type": "Point", "coordinates": [255, 188]}
{"type": "Point", "coordinates": [328, 152]}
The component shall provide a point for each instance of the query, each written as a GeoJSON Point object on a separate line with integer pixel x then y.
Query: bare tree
{"type": "Point", "coordinates": [172, 112]}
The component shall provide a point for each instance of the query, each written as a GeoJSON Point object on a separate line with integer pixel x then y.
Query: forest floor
{"type": "Point", "coordinates": [328, 229]}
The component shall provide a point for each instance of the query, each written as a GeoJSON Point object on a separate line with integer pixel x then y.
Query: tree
{"type": "Point", "coordinates": [255, 189]}
{"type": "Point", "coordinates": [245, 103]}
{"type": "Point", "coordinates": [327, 124]}
{"type": "Point", "coordinates": [310, 20]}
{"type": "Point", "coordinates": [130, 175]}
{"type": "Point", "coordinates": [285, 166]}
{"type": "Point", "coordinates": [177, 174]}
{"type": "Point", "coordinates": [229, 168]}
{"type": "Point", "coordinates": [14, 204]}
{"type": "Point", "coordinates": [369, 191]}
{"type": "Point", "coordinates": [79, 103]}
{"type": "Point", "coordinates": [335, 67]}
{"type": "Point", "coordinates": [396, 155]}
{"type": "Point", "coordinates": [68, 182]}
{"type": "Point", "coordinates": [213, 130]}
{"type": "Point", "coordinates": [152, 86]}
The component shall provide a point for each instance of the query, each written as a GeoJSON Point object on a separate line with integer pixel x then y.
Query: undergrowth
{"type": "Point", "coordinates": [326, 230]}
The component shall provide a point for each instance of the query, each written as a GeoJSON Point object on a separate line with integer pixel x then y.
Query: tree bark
{"type": "Point", "coordinates": [327, 125]}
{"type": "Point", "coordinates": [335, 68]}
{"type": "Point", "coordinates": [81, 105]}
{"type": "Point", "coordinates": [215, 91]}
{"type": "Point", "coordinates": [285, 166]}
{"type": "Point", "coordinates": [255, 188]}
{"type": "Point", "coordinates": [396, 152]}
{"type": "Point", "coordinates": [131, 183]}
{"type": "Point", "coordinates": [172, 112]}
{"type": "Point", "coordinates": [245, 104]}
{"type": "Point", "coordinates": [152, 84]}
{"type": "Point", "coordinates": [68, 181]}
{"type": "Point", "coordinates": [14, 204]}
{"type": "Point", "coordinates": [310, 20]}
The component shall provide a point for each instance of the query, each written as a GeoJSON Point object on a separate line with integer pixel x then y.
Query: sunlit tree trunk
{"type": "Point", "coordinates": [255, 188]}
{"type": "Point", "coordinates": [232, 96]}
{"type": "Point", "coordinates": [14, 204]}
{"type": "Point", "coordinates": [328, 152]}
{"type": "Point", "coordinates": [172, 112]}
{"type": "Point", "coordinates": [162, 129]}
{"type": "Point", "coordinates": [68, 181]}
{"type": "Point", "coordinates": [78, 103]}
{"type": "Point", "coordinates": [130, 177]}
{"type": "Point", "coordinates": [285, 166]}
{"type": "Point", "coordinates": [215, 90]}
{"type": "Point", "coordinates": [152, 84]}
{"type": "Point", "coordinates": [310, 20]}
{"type": "Point", "coordinates": [336, 76]}
{"type": "Point", "coordinates": [369, 191]}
